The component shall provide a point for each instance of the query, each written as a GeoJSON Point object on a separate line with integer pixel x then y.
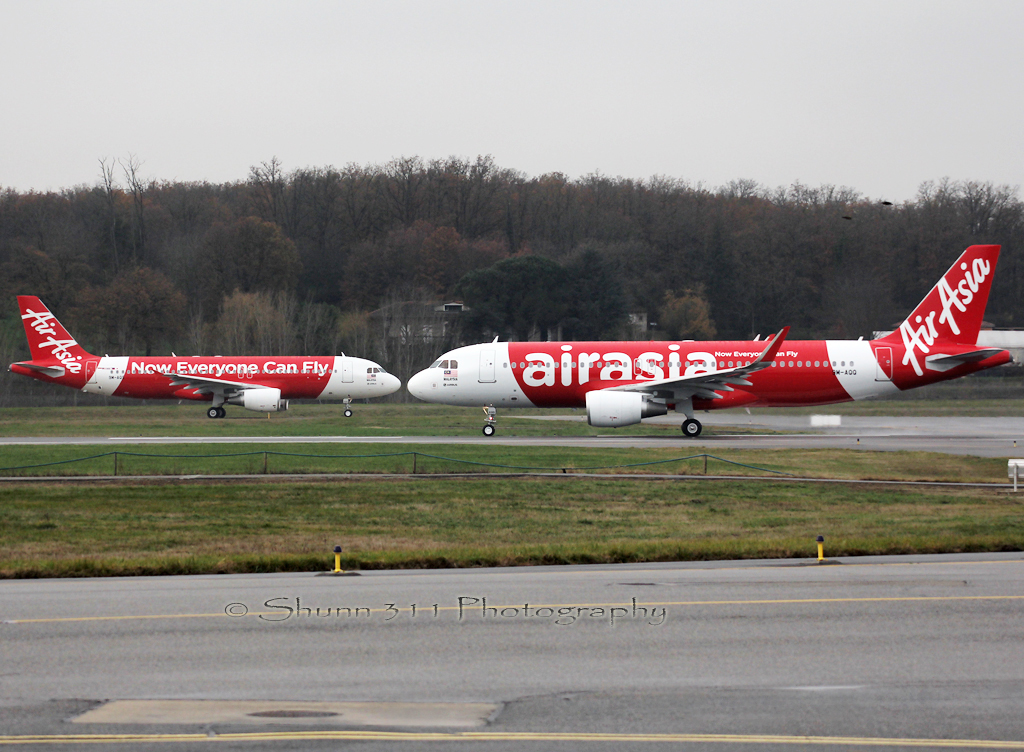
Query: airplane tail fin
{"type": "Point", "coordinates": [952, 311]}
{"type": "Point", "coordinates": [48, 341]}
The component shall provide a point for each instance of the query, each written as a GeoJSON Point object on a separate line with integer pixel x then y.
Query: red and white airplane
{"type": "Point", "coordinates": [260, 383]}
{"type": "Point", "coordinates": [620, 383]}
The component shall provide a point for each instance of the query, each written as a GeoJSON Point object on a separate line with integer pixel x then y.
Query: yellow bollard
{"type": "Point", "coordinates": [338, 571]}
{"type": "Point", "coordinates": [821, 548]}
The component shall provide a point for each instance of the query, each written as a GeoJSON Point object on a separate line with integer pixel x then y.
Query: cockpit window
{"type": "Point", "coordinates": [454, 364]}
{"type": "Point", "coordinates": [444, 364]}
{"type": "Point", "coordinates": [436, 363]}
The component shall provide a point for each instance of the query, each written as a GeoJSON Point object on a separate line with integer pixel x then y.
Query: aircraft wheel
{"type": "Point", "coordinates": [213, 412]}
{"type": "Point", "coordinates": [348, 413]}
{"type": "Point", "coordinates": [691, 428]}
{"type": "Point", "coordinates": [488, 430]}
{"type": "Point", "coordinates": [221, 412]}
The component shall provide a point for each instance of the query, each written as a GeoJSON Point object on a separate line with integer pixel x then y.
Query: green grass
{"type": "Point", "coordinates": [58, 530]}
{"type": "Point", "coordinates": [166, 527]}
{"type": "Point", "coordinates": [246, 459]}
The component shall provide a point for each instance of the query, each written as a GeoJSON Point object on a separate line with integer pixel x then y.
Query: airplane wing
{"type": "Point", "coordinates": [939, 362]}
{"type": "Point", "coordinates": [707, 385]}
{"type": "Point", "coordinates": [206, 385]}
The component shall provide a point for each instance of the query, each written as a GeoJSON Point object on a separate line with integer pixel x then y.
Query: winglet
{"type": "Point", "coordinates": [765, 358]}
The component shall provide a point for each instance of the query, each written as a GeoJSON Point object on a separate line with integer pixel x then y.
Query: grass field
{"type": "Point", "coordinates": [167, 527]}
{"type": "Point", "coordinates": [271, 459]}
{"type": "Point", "coordinates": [58, 530]}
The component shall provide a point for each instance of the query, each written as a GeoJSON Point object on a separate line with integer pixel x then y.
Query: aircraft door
{"type": "Point", "coordinates": [487, 367]}
{"type": "Point", "coordinates": [90, 370]}
{"type": "Point", "coordinates": [884, 357]}
{"type": "Point", "coordinates": [346, 370]}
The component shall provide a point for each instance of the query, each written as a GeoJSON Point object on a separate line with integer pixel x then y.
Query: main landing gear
{"type": "Point", "coordinates": [216, 412]}
{"type": "Point", "coordinates": [691, 428]}
{"type": "Point", "coordinates": [348, 410]}
{"type": "Point", "coordinates": [492, 419]}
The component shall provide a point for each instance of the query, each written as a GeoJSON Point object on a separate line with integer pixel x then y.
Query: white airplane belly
{"type": "Point", "coordinates": [854, 365]}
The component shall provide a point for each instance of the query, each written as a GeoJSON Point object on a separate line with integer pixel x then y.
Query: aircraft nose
{"type": "Point", "coordinates": [391, 384]}
{"type": "Point", "coordinates": [419, 386]}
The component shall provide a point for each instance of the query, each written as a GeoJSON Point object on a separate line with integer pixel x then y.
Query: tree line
{"type": "Point", "coordinates": [322, 259]}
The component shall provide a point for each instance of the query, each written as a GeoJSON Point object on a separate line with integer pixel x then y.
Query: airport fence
{"type": "Point", "coordinates": [418, 460]}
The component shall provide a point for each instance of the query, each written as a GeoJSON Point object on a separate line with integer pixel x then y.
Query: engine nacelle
{"type": "Point", "coordinates": [608, 409]}
{"type": "Point", "coordinates": [264, 400]}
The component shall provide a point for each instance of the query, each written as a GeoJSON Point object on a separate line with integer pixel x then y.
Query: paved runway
{"type": "Point", "coordinates": [706, 655]}
{"type": "Point", "coordinates": [982, 437]}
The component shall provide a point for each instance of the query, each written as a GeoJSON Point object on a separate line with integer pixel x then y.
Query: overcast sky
{"type": "Point", "coordinates": [877, 96]}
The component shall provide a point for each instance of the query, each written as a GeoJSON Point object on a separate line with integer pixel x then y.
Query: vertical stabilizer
{"type": "Point", "coordinates": [48, 341]}
{"type": "Point", "coordinates": [952, 311]}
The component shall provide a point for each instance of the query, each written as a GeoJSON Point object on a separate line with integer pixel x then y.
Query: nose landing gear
{"type": "Point", "coordinates": [348, 410]}
{"type": "Point", "coordinates": [492, 419]}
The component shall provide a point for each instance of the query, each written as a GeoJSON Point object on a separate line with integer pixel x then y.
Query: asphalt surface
{"type": "Point", "coordinates": [759, 653]}
{"type": "Point", "coordinates": [982, 437]}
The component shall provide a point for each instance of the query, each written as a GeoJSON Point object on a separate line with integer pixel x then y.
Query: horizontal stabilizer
{"type": "Point", "coordinates": [940, 362]}
{"type": "Point", "coordinates": [54, 372]}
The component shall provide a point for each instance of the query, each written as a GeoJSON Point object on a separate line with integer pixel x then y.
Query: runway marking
{"type": "Point", "coordinates": [513, 736]}
{"type": "Point", "coordinates": [619, 604]}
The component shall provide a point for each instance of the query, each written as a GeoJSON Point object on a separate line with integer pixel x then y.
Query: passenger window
{"type": "Point", "coordinates": [817, 364]}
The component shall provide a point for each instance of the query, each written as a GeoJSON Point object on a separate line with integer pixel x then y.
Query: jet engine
{"type": "Point", "coordinates": [606, 409]}
{"type": "Point", "coordinates": [263, 400]}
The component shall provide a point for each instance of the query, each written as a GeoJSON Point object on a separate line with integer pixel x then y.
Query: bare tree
{"type": "Point", "coordinates": [109, 187]}
{"type": "Point", "coordinates": [138, 190]}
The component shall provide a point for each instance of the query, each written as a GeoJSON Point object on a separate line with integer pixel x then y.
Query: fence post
{"type": "Point", "coordinates": [115, 463]}
{"type": "Point", "coordinates": [265, 460]}
{"type": "Point", "coordinates": [414, 456]}
{"type": "Point", "coordinates": [705, 464]}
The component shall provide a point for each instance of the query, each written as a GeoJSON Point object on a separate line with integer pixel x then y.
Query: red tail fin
{"type": "Point", "coordinates": [48, 341]}
{"type": "Point", "coordinates": [953, 310]}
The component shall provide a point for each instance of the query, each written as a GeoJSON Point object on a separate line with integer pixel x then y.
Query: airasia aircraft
{"type": "Point", "coordinates": [620, 383]}
{"type": "Point", "coordinates": [264, 384]}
